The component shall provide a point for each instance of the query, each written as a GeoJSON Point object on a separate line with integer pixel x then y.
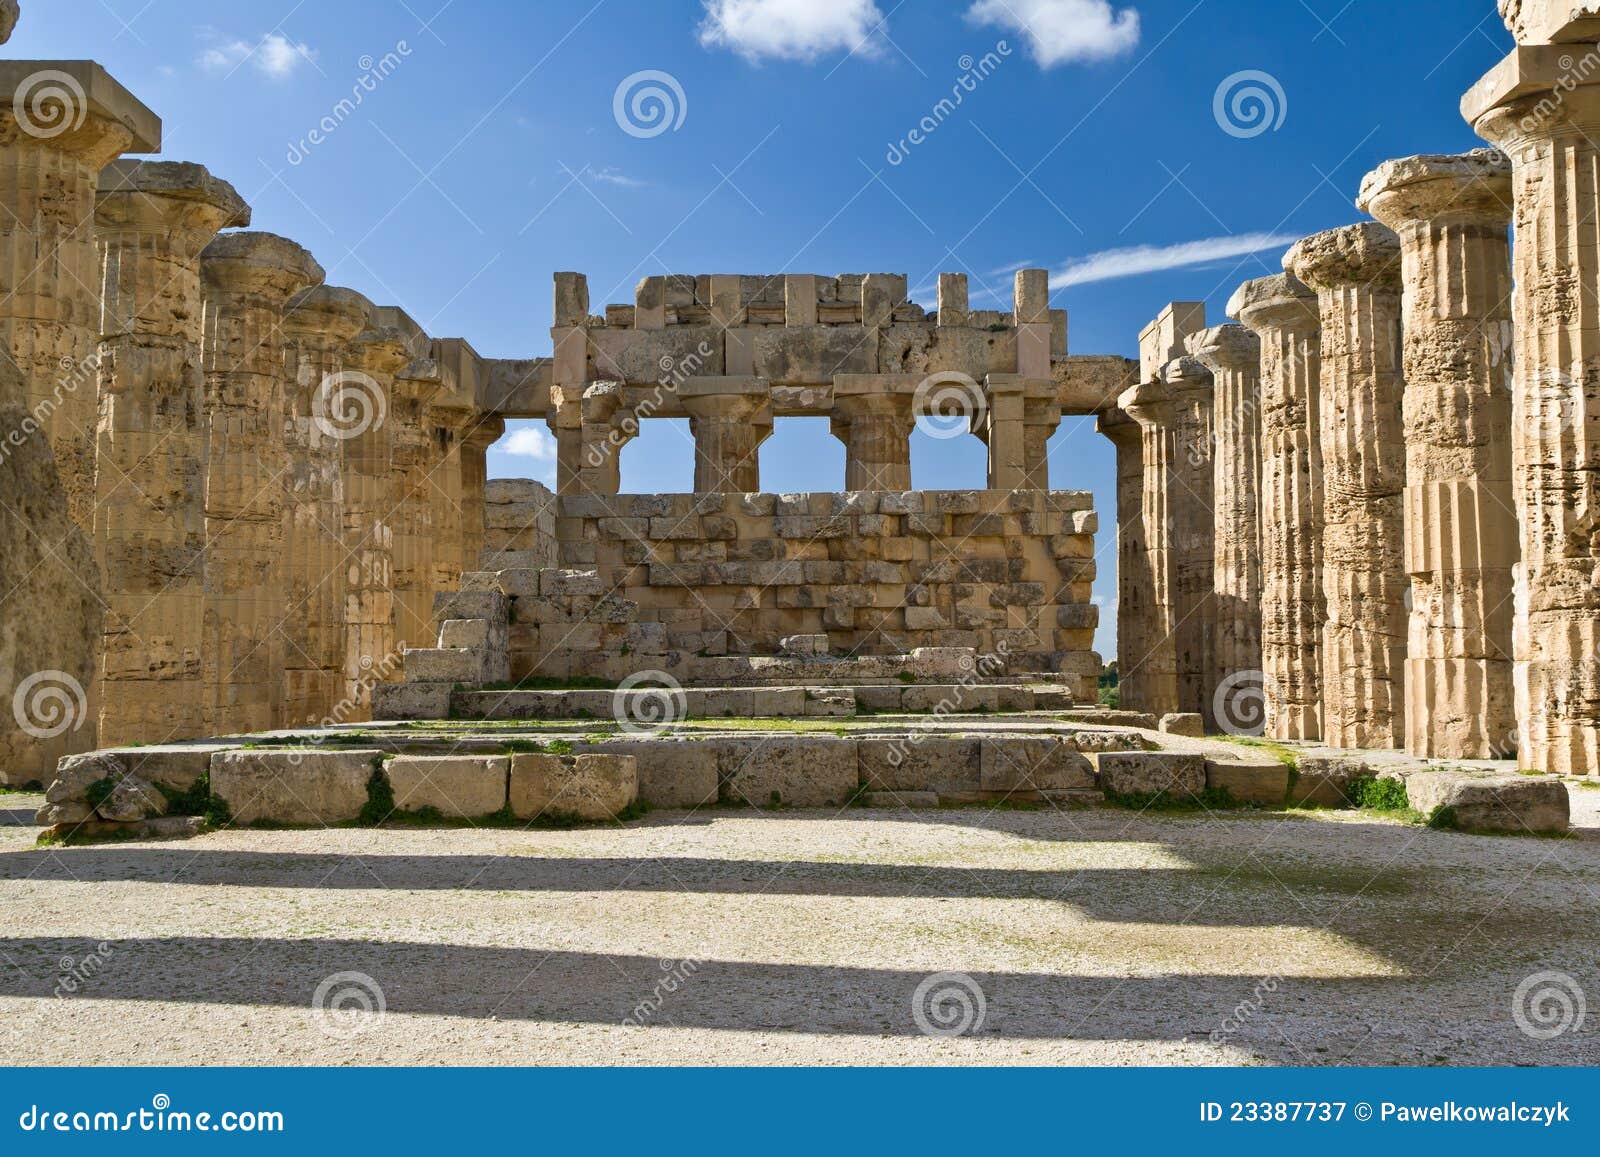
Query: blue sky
{"type": "Point", "coordinates": [490, 155]}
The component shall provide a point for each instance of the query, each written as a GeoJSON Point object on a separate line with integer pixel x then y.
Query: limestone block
{"type": "Point", "coordinates": [941, 662]}
{"type": "Point", "coordinates": [830, 704]}
{"type": "Point", "coordinates": [175, 767]}
{"type": "Point", "coordinates": [1324, 781]}
{"type": "Point", "coordinates": [491, 605]}
{"type": "Point", "coordinates": [458, 787]}
{"type": "Point", "coordinates": [922, 800]}
{"type": "Point", "coordinates": [1148, 773]}
{"type": "Point", "coordinates": [804, 645]}
{"type": "Point", "coordinates": [433, 665]}
{"type": "Point", "coordinates": [300, 786]}
{"type": "Point", "coordinates": [672, 773]}
{"type": "Point", "coordinates": [920, 763]}
{"type": "Point", "coordinates": [794, 772]}
{"type": "Point", "coordinates": [392, 701]}
{"type": "Point", "coordinates": [1033, 763]}
{"type": "Point", "coordinates": [1179, 723]}
{"type": "Point", "coordinates": [1263, 782]}
{"type": "Point", "coordinates": [595, 788]}
{"type": "Point", "coordinates": [1491, 802]}
{"type": "Point", "coordinates": [1552, 21]}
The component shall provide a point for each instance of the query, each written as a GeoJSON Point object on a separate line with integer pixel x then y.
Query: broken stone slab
{"type": "Point", "coordinates": [830, 704]}
{"type": "Point", "coordinates": [1184, 724]}
{"type": "Point", "coordinates": [1017, 763]}
{"type": "Point", "coordinates": [132, 799]}
{"type": "Point", "coordinates": [99, 784]}
{"type": "Point", "coordinates": [1151, 773]}
{"type": "Point", "coordinates": [293, 785]}
{"type": "Point", "coordinates": [594, 788]}
{"type": "Point", "coordinates": [1491, 801]}
{"type": "Point", "coordinates": [1324, 781]}
{"type": "Point", "coordinates": [458, 787]}
{"type": "Point", "coordinates": [805, 772]}
{"type": "Point", "coordinates": [1264, 782]}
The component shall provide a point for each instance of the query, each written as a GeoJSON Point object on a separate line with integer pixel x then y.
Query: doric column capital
{"type": "Point", "coordinates": [1226, 347]}
{"type": "Point", "coordinates": [382, 352]}
{"type": "Point", "coordinates": [1148, 403]}
{"type": "Point", "coordinates": [259, 265]}
{"type": "Point", "coordinates": [419, 380]}
{"type": "Point", "coordinates": [172, 198]}
{"type": "Point", "coordinates": [1552, 21]}
{"type": "Point", "coordinates": [728, 399]}
{"type": "Point", "coordinates": [1281, 301]}
{"type": "Point", "coordinates": [484, 432]}
{"type": "Point", "coordinates": [1120, 427]}
{"type": "Point", "coordinates": [9, 11]}
{"type": "Point", "coordinates": [73, 107]}
{"type": "Point", "coordinates": [1187, 375]}
{"type": "Point", "coordinates": [326, 317]}
{"type": "Point", "coordinates": [1365, 254]}
{"type": "Point", "coordinates": [1466, 189]}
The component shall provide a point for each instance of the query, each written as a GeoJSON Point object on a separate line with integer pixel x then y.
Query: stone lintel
{"type": "Point", "coordinates": [723, 386]}
{"type": "Point", "coordinates": [420, 380]}
{"type": "Point", "coordinates": [857, 385]}
{"type": "Point", "coordinates": [1091, 383]}
{"type": "Point", "coordinates": [1552, 21]}
{"type": "Point", "coordinates": [105, 97]}
{"type": "Point", "coordinates": [517, 388]}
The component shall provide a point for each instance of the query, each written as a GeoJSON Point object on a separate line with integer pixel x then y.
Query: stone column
{"type": "Point", "coordinates": [1002, 427]}
{"type": "Point", "coordinates": [328, 403]}
{"type": "Point", "coordinates": [606, 428]}
{"type": "Point", "coordinates": [876, 430]}
{"type": "Point", "coordinates": [1356, 273]}
{"type": "Point", "coordinates": [448, 424]}
{"type": "Point", "coordinates": [1134, 607]}
{"type": "Point", "coordinates": [484, 432]}
{"type": "Point", "coordinates": [1233, 355]}
{"type": "Point", "coordinates": [730, 418]}
{"type": "Point", "coordinates": [1452, 215]}
{"type": "Point", "coordinates": [153, 221]}
{"type": "Point", "coordinates": [1548, 124]}
{"type": "Point", "coordinates": [371, 650]}
{"type": "Point", "coordinates": [1151, 405]}
{"type": "Point", "coordinates": [565, 419]}
{"type": "Point", "coordinates": [1283, 313]}
{"type": "Point", "coordinates": [248, 279]}
{"type": "Point", "coordinates": [61, 122]}
{"type": "Point", "coordinates": [1192, 537]}
{"type": "Point", "coordinates": [1041, 418]}
{"type": "Point", "coordinates": [415, 459]}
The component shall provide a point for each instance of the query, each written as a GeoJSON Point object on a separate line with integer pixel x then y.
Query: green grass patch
{"type": "Point", "coordinates": [380, 797]}
{"type": "Point", "coordinates": [1283, 754]}
{"type": "Point", "coordinates": [1211, 799]}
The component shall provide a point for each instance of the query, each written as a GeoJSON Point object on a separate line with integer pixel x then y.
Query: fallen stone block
{"type": "Point", "coordinates": [595, 788]}
{"type": "Point", "coordinates": [293, 785]}
{"type": "Point", "coordinates": [1262, 782]}
{"type": "Point", "coordinates": [1324, 781]}
{"type": "Point", "coordinates": [1491, 802]}
{"type": "Point", "coordinates": [795, 771]}
{"type": "Point", "coordinates": [1151, 773]}
{"type": "Point", "coordinates": [457, 787]}
{"type": "Point", "coordinates": [1182, 723]}
{"type": "Point", "coordinates": [1012, 763]}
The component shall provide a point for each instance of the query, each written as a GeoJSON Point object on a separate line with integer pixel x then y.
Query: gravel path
{"type": "Point", "coordinates": [1093, 937]}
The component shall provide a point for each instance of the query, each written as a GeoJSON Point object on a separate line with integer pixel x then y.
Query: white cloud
{"type": "Point", "coordinates": [1059, 31]}
{"type": "Point", "coordinates": [274, 55]}
{"type": "Point", "coordinates": [535, 443]}
{"type": "Point", "coordinates": [611, 176]}
{"type": "Point", "coordinates": [792, 29]}
{"type": "Point", "coordinates": [1114, 263]}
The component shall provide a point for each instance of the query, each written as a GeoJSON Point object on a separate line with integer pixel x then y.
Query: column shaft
{"type": "Point", "coordinates": [1191, 507]}
{"type": "Point", "coordinates": [1156, 666]}
{"type": "Point", "coordinates": [1134, 608]}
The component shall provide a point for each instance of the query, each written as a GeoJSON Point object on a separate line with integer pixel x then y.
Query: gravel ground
{"type": "Point", "coordinates": [729, 937]}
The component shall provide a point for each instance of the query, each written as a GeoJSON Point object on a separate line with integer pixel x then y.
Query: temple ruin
{"type": "Point", "coordinates": [1361, 515]}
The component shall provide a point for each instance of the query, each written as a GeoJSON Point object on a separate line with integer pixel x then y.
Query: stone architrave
{"type": "Point", "coordinates": [61, 122]}
{"type": "Point", "coordinates": [1233, 355]}
{"type": "Point", "coordinates": [1284, 314]}
{"type": "Point", "coordinates": [1547, 121]}
{"type": "Point", "coordinates": [153, 220]}
{"type": "Point", "coordinates": [1192, 537]}
{"type": "Point", "coordinates": [1151, 405]}
{"type": "Point", "coordinates": [373, 648]}
{"type": "Point", "coordinates": [730, 418]}
{"type": "Point", "coordinates": [326, 402]}
{"type": "Point", "coordinates": [1453, 214]}
{"type": "Point", "coordinates": [248, 279]}
{"type": "Point", "coordinates": [1356, 272]}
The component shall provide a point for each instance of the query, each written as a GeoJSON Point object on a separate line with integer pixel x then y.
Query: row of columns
{"type": "Point", "coordinates": [1345, 463]}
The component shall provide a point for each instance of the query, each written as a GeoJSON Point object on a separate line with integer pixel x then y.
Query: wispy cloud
{"type": "Point", "coordinates": [610, 176]}
{"type": "Point", "coordinates": [792, 29]}
{"type": "Point", "coordinates": [274, 55]}
{"type": "Point", "coordinates": [1060, 31]}
{"type": "Point", "coordinates": [535, 443]}
{"type": "Point", "coordinates": [1140, 259]}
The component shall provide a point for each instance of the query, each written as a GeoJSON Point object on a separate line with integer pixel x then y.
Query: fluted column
{"type": "Point", "coordinates": [61, 122]}
{"type": "Point", "coordinates": [1356, 273]}
{"type": "Point", "coordinates": [1452, 215]}
{"type": "Point", "coordinates": [248, 279]}
{"type": "Point", "coordinates": [1192, 540]}
{"type": "Point", "coordinates": [730, 419]}
{"type": "Point", "coordinates": [448, 425]}
{"type": "Point", "coordinates": [416, 460]}
{"type": "Point", "coordinates": [1284, 314]}
{"type": "Point", "coordinates": [484, 432]}
{"type": "Point", "coordinates": [1548, 124]}
{"type": "Point", "coordinates": [327, 405]}
{"type": "Point", "coordinates": [876, 430]}
{"type": "Point", "coordinates": [1233, 355]}
{"type": "Point", "coordinates": [1151, 405]}
{"type": "Point", "coordinates": [153, 220]}
{"type": "Point", "coordinates": [371, 646]}
{"type": "Point", "coordinates": [1041, 418]}
{"type": "Point", "coordinates": [1135, 609]}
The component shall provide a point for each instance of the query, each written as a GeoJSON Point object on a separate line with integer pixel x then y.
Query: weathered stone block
{"type": "Point", "coordinates": [458, 787]}
{"type": "Point", "coordinates": [586, 787]}
{"type": "Point", "coordinates": [920, 763]}
{"type": "Point", "coordinates": [1249, 781]}
{"type": "Point", "coordinates": [798, 772]}
{"type": "Point", "coordinates": [392, 701]}
{"type": "Point", "coordinates": [293, 785]}
{"type": "Point", "coordinates": [1185, 724]}
{"type": "Point", "coordinates": [1148, 773]}
{"type": "Point", "coordinates": [672, 773]}
{"type": "Point", "coordinates": [1033, 763]}
{"type": "Point", "coordinates": [1491, 802]}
